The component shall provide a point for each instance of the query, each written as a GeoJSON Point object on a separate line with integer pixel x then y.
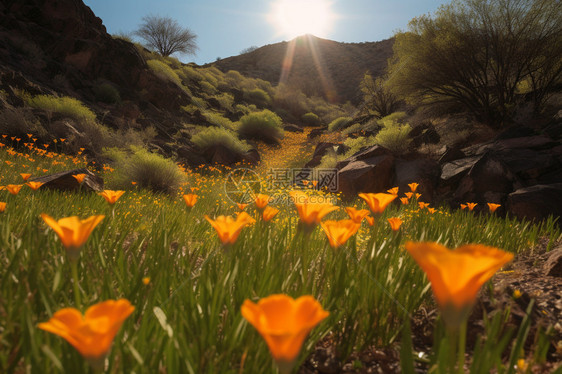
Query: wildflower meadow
{"type": "Point", "coordinates": [199, 281]}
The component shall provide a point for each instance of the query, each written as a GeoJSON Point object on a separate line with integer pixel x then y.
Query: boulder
{"type": "Point", "coordinates": [553, 264]}
{"type": "Point", "coordinates": [423, 171]}
{"type": "Point", "coordinates": [64, 181]}
{"type": "Point", "coordinates": [374, 174]}
{"type": "Point", "coordinates": [322, 149]}
{"type": "Point", "coordinates": [219, 154]}
{"type": "Point", "coordinates": [452, 172]}
{"type": "Point", "coordinates": [292, 128]}
{"type": "Point", "coordinates": [315, 133]}
{"type": "Point", "coordinates": [536, 202]}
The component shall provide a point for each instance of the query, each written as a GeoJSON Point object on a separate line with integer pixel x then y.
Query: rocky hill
{"type": "Point", "coordinates": [318, 67]}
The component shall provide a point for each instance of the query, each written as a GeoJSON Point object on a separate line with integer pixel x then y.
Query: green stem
{"type": "Point", "coordinates": [74, 267]}
{"type": "Point", "coordinates": [461, 348]}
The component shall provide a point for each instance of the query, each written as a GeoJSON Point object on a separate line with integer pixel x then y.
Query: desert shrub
{"type": "Point", "coordinates": [226, 101]}
{"type": "Point", "coordinates": [164, 72]}
{"type": "Point", "coordinates": [149, 170]}
{"type": "Point", "coordinates": [233, 78]}
{"type": "Point", "coordinates": [357, 144]}
{"type": "Point", "coordinates": [264, 125]}
{"type": "Point", "coordinates": [213, 136]}
{"type": "Point", "coordinates": [191, 74]}
{"type": "Point", "coordinates": [396, 117]}
{"type": "Point", "coordinates": [245, 108]}
{"type": "Point", "coordinates": [394, 135]}
{"type": "Point", "coordinates": [67, 106]}
{"type": "Point", "coordinates": [291, 100]}
{"type": "Point", "coordinates": [329, 160]}
{"type": "Point", "coordinates": [209, 77]}
{"type": "Point", "coordinates": [18, 122]}
{"type": "Point", "coordinates": [199, 102]}
{"type": "Point", "coordinates": [216, 119]}
{"type": "Point", "coordinates": [257, 96]}
{"type": "Point", "coordinates": [106, 93]}
{"type": "Point", "coordinates": [311, 119]}
{"type": "Point", "coordinates": [339, 124]}
{"type": "Point", "coordinates": [208, 88]}
{"type": "Point", "coordinates": [355, 128]}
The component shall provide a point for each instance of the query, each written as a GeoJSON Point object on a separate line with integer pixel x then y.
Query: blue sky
{"type": "Point", "coordinates": [224, 27]}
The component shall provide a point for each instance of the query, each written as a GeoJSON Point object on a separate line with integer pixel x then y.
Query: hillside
{"type": "Point", "coordinates": [342, 64]}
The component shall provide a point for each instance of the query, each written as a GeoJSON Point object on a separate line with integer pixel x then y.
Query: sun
{"type": "Point", "coordinates": [292, 18]}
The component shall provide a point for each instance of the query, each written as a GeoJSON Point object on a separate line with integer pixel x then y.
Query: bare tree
{"type": "Point", "coordinates": [166, 36]}
{"type": "Point", "coordinates": [377, 97]}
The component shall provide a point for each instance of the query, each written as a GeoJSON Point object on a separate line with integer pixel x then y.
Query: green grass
{"type": "Point", "coordinates": [68, 106]}
{"type": "Point", "coordinates": [187, 319]}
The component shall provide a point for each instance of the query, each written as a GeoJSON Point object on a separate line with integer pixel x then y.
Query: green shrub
{"type": "Point", "coordinates": [391, 119]}
{"type": "Point", "coordinates": [226, 101]}
{"type": "Point", "coordinates": [67, 106]}
{"type": "Point", "coordinates": [164, 72]}
{"type": "Point", "coordinates": [258, 97]}
{"type": "Point", "coordinates": [19, 122]}
{"type": "Point", "coordinates": [149, 170]}
{"type": "Point", "coordinates": [311, 119]}
{"type": "Point", "coordinates": [264, 125]}
{"type": "Point", "coordinates": [208, 88]}
{"type": "Point", "coordinates": [213, 136]}
{"type": "Point", "coordinates": [106, 93]}
{"type": "Point", "coordinates": [216, 119]}
{"type": "Point", "coordinates": [394, 137]}
{"type": "Point", "coordinates": [355, 128]}
{"type": "Point", "coordinates": [339, 124]}
{"type": "Point", "coordinates": [191, 74]}
{"type": "Point", "coordinates": [357, 144]}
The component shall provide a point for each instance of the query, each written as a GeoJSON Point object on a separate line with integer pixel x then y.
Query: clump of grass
{"type": "Point", "coordinates": [164, 72]}
{"type": "Point", "coordinates": [311, 119]}
{"type": "Point", "coordinates": [264, 125]}
{"type": "Point", "coordinates": [216, 119]}
{"type": "Point", "coordinates": [339, 124]}
{"type": "Point", "coordinates": [67, 106]}
{"type": "Point", "coordinates": [148, 170]}
{"type": "Point", "coordinates": [213, 136]}
{"type": "Point", "coordinates": [257, 96]}
{"type": "Point", "coordinates": [107, 93]}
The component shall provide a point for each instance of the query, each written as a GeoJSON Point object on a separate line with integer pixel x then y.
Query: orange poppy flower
{"type": "Point", "coordinates": [404, 200]}
{"type": "Point", "coordinates": [241, 206]}
{"type": "Point", "coordinates": [356, 215]}
{"type": "Point", "coordinates": [493, 207]}
{"type": "Point", "coordinates": [312, 213]}
{"type": "Point", "coordinates": [79, 177]}
{"type": "Point", "coordinates": [111, 196]}
{"type": "Point", "coordinates": [269, 212]}
{"type": "Point", "coordinates": [409, 194]}
{"type": "Point", "coordinates": [393, 191]}
{"type": "Point", "coordinates": [471, 205]}
{"type": "Point", "coordinates": [431, 210]}
{"type": "Point", "coordinates": [463, 206]}
{"type": "Point", "coordinates": [92, 333]}
{"type": "Point", "coordinates": [34, 185]}
{"type": "Point", "coordinates": [261, 201]}
{"type": "Point", "coordinates": [395, 223]}
{"type": "Point", "coordinates": [190, 199]}
{"type": "Point", "coordinates": [72, 231]}
{"type": "Point", "coordinates": [370, 220]}
{"type": "Point", "coordinates": [423, 205]}
{"type": "Point", "coordinates": [377, 201]}
{"type": "Point", "coordinates": [413, 186]}
{"type": "Point", "coordinates": [457, 275]}
{"type": "Point", "coordinates": [284, 323]}
{"type": "Point", "coordinates": [338, 232]}
{"type": "Point", "coordinates": [417, 195]}
{"type": "Point", "coordinates": [25, 176]}
{"type": "Point", "coordinates": [228, 228]}
{"type": "Point", "coordinates": [14, 189]}
{"type": "Point", "coordinates": [2, 206]}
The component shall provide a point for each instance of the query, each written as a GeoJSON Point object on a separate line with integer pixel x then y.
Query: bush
{"type": "Point", "coordinates": [394, 136]}
{"type": "Point", "coordinates": [264, 125]}
{"type": "Point", "coordinates": [213, 136]}
{"type": "Point", "coordinates": [19, 122]}
{"type": "Point", "coordinates": [67, 106]}
{"type": "Point", "coordinates": [355, 128]}
{"type": "Point", "coordinates": [106, 93]}
{"type": "Point", "coordinates": [311, 119]}
{"type": "Point", "coordinates": [357, 144]}
{"type": "Point", "coordinates": [257, 96]}
{"type": "Point", "coordinates": [339, 124]}
{"type": "Point", "coordinates": [149, 170]}
{"type": "Point", "coordinates": [216, 119]}
{"type": "Point", "coordinates": [164, 72]}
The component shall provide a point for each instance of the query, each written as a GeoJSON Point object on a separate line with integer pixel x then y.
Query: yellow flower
{"type": "Point", "coordinates": [493, 207]}
{"type": "Point", "coordinates": [261, 201]}
{"type": "Point", "coordinates": [34, 185]}
{"type": "Point", "coordinates": [14, 189]}
{"type": "Point", "coordinates": [457, 275]}
{"type": "Point", "coordinates": [356, 215]}
{"type": "Point", "coordinates": [228, 228]}
{"type": "Point", "coordinates": [72, 231]}
{"type": "Point", "coordinates": [79, 177]}
{"type": "Point", "coordinates": [413, 186]}
{"type": "Point", "coordinates": [269, 212]}
{"type": "Point", "coordinates": [111, 196]}
{"type": "Point", "coordinates": [395, 223]}
{"type": "Point", "coordinates": [284, 323]}
{"type": "Point", "coordinates": [338, 232]}
{"type": "Point", "coordinates": [377, 201]}
{"type": "Point", "coordinates": [2, 207]}
{"type": "Point", "coordinates": [25, 176]}
{"type": "Point", "coordinates": [190, 199]}
{"type": "Point", "coordinates": [146, 280]}
{"type": "Point", "coordinates": [92, 333]}
{"type": "Point", "coordinates": [393, 191]}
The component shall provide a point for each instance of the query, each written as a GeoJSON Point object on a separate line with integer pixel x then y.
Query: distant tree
{"type": "Point", "coordinates": [482, 54]}
{"type": "Point", "coordinates": [248, 50]}
{"type": "Point", "coordinates": [166, 36]}
{"type": "Point", "coordinates": [378, 99]}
